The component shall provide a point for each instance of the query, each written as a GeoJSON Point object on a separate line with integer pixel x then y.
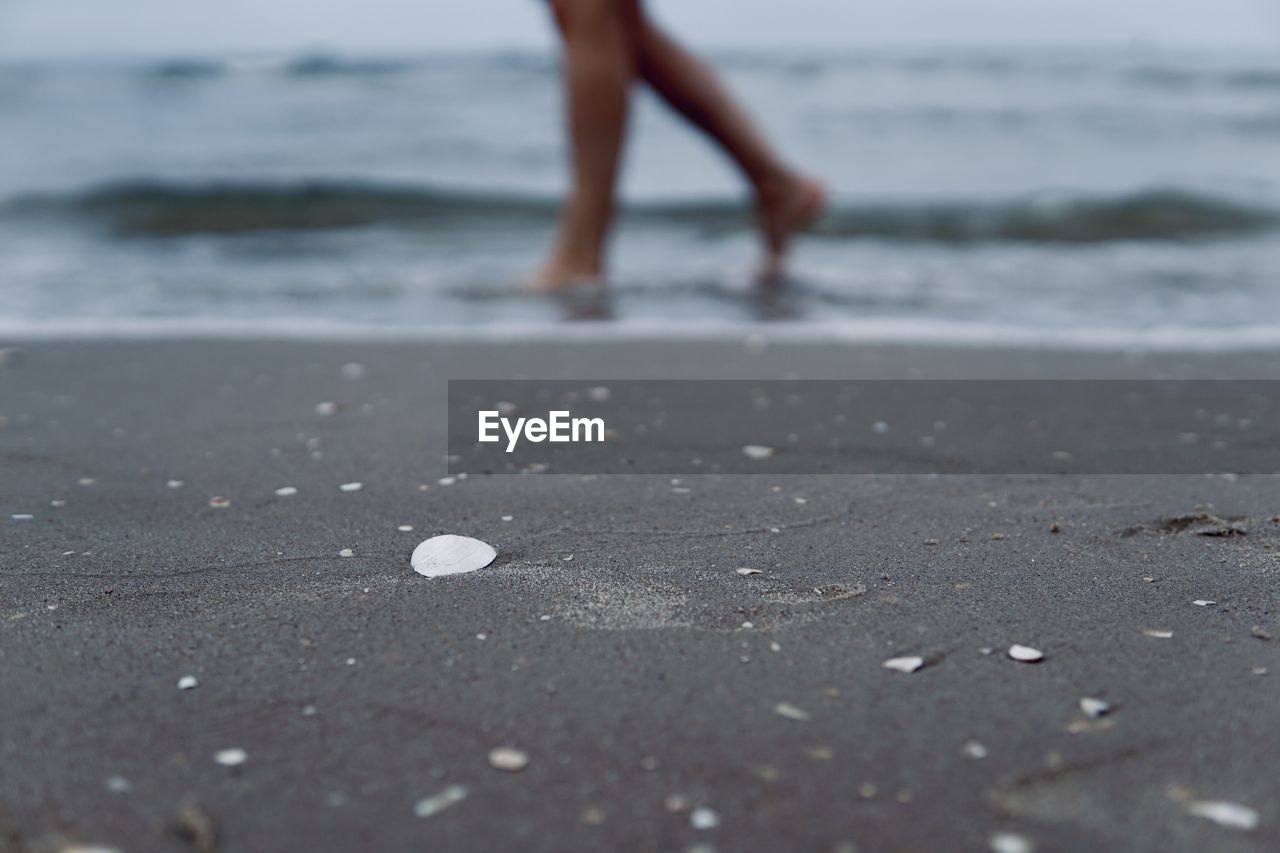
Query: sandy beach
{"type": "Point", "coordinates": [664, 701]}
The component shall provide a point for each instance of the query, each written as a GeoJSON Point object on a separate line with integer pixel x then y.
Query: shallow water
{"type": "Point", "coordinates": [1117, 195]}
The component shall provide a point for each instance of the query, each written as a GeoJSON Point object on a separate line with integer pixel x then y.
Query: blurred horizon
{"type": "Point", "coordinates": [68, 29]}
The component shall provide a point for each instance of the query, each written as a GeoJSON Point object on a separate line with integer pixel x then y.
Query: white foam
{"type": "Point", "coordinates": [1263, 336]}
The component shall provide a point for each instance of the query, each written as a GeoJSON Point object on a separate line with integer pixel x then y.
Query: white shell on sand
{"type": "Point", "coordinates": [187, 682]}
{"type": "Point", "coordinates": [1094, 708]}
{"type": "Point", "coordinates": [1223, 813]}
{"type": "Point", "coordinates": [1026, 654]}
{"type": "Point", "coordinates": [1158, 633]}
{"type": "Point", "coordinates": [509, 759]}
{"type": "Point", "coordinates": [757, 451]}
{"type": "Point", "coordinates": [346, 552]}
{"type": "Point", "coordinates": [905, 664]}
{"type": "Point", "coordinates": [231, 757]}
{"type": "Point", "coordinates": [451, 555]}
{"type": "Point", "coordinates": [746, 572]}
{"type": "Point", "coordinates": [1203, 602]}
{"type": "Point", "coordinates": [450, 796]}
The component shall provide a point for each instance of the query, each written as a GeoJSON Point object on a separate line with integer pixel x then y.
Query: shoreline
{"type": "Point", "coordinates": [869, 333]}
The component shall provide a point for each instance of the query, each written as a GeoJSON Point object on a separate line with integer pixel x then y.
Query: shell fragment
{"type": "Point", "coordinates": [451, 796]}
{"type": "Point", "coordinates": [904, 664]}
{"type": "Point", "coordinates": [1223, 813]}
{"type": "Point", "coordinates": [791, 712]}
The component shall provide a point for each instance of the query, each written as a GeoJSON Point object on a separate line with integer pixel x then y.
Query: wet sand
{"type": "Point", "coordinates": [628, 673]}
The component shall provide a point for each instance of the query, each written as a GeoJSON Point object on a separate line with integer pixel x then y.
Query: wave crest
{"type": "Point", "coordinates": [158, 209]}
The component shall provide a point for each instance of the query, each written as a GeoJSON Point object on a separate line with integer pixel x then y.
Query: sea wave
{"type": "Point", "coordinates": [1261, 337]}
{"type": "Point", "coordinates": [160, 208]}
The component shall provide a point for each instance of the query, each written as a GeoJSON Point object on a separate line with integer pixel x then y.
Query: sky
{"type": "Point", "coordinates": [71, 28]}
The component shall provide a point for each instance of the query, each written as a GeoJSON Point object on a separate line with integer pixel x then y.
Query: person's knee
{"type": "Point", "coordinates": [590, 17]}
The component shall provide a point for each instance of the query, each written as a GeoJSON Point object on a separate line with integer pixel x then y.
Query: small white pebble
{"type": "Point", "coordinates": [1026, 654]}
{"type": "Point", "coordinates": [87, 481]}
{"type": "Point", "coordinates": [326, 409]}
{"type": "Point", "coordinates": [974, 749]}
{"type": "Point", "coordinates": [219, 502]}
{"type": "Point", "coordinates": [757, 451]}
{"type": "Point", "coordinates": [286, 491]}
{"type": "Point", "coordinates": [22, 516]}
{"type": "Point", "coordinates": [231, 757]}
{"type": "Point", "coordinates": [346, 552]}
{"type": "Point", "coordinates": [174, 484]}
{"type": "Point", "coordinates": [118, 785]}
{"type": "Point", "coordinates": [57, 503]}
{"type": "Point", "coordinates": [704, 818]}
{"type": "Point", "coordinates": [507, 517]}
{"type": "Point", "coordinates": [1203, 602]}
{"type": "Point", "coordinates": [351, 487]}
{"type": "Point", "coordinates": [353, 370]}
{"type": "Point", "coordinates": [405, 528]}
{"type": "Point", "coordinates": [447, 481]}
{"type": "Point", "coordinates": [508, 759]}
{"type": "Point", "coordinates": [351, 661]}
{"type": "Point", "coordinates": [880, 427]}
{"type": "Point", "coordinates": [1158, 633]}
{"type": "Point", "coordinates": [1009, 842]}
{"type": "Point", "coordinates": [1094, 708]}
{"type": "Point", "coordinates": [187, 682]}
{"type": "Point", "coordinates": [791, 712]}
{"type": "Point", "coordinates": [744, 572]}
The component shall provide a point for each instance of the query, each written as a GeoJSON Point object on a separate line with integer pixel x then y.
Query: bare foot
{"type": "Point", "coordinates": [785, 212]}
{"type": "Point", "coordinates": [559, 275]}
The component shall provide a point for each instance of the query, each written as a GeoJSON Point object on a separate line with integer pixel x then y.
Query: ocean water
{"type": "Point", "coordinates": [1122, 196]}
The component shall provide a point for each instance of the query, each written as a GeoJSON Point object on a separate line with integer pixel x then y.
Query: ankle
{"type": "Point", "coordinates": [776, 186]}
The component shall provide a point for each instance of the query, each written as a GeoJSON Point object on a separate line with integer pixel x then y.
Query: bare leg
{"type": "Point", "coordinates": [786, 201]}
{"type": "Point", "coordinates": [599, 66]}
